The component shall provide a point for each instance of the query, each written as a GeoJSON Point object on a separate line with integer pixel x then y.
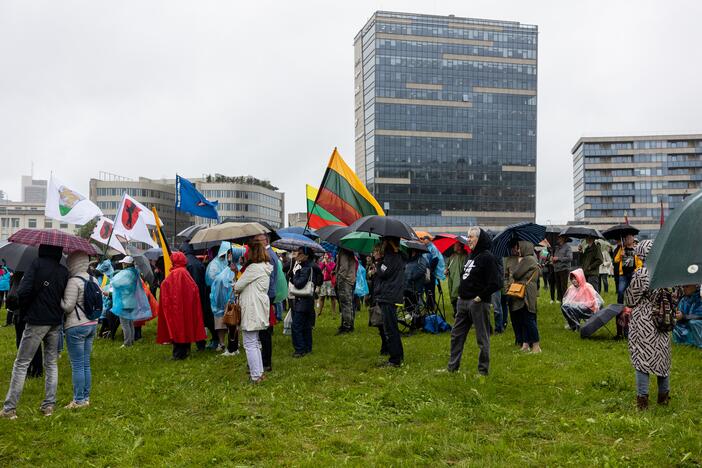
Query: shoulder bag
{"type": "Point", "coordinates": [232, 314]}
{"type": "Point", "coordinates": [518, 290]}
{"type": "Point", "coordinates": [306, 291]}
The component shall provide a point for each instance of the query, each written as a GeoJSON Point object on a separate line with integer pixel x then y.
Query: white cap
{"type": "Point", "coordinates": [128, 259]}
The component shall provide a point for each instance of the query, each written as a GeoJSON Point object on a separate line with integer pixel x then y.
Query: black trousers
{"type": "Point", "coordinates": [232, 339]}
{"type": "Point", "coordinates": [36, 366]}
{"type": "Point", "coordinates": [180, 351]}
{"type": "Point", "coordinates": [392, 333]}
{"type": "Point", "coordinates": [109, 325]}
{"type": "Point", "coordinates": [266, 339]}
{"type": "Point", "coordinates": [561, 283]}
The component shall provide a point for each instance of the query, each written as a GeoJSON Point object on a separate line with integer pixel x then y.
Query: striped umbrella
{"type": "Point", "coordinates": [526, 231]}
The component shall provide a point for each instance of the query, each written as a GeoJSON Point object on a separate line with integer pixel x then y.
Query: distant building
{"type": "Point", "coordinates": [33, 190]}
{"type": "Point", "coordinates": [445, 119]}
{"type": "Point", "coordinates": [297, 219]}
{"type": "Point", "coordinates": [632, 177]}
{"type": "Point", "coordinates": [19, 215]}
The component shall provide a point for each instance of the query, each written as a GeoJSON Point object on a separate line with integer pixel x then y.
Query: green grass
{"type": "Point", "coordinates": [571, 405]}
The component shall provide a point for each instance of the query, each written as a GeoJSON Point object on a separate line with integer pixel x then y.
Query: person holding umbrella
{"type": "Point", "coordinates": [303, 314]}
{"type": "Point", "coordinates": [628, 263]}
{"type": "Point", "coordinates": [389, 291]}
{"type": "Point", "coordinates": [561, 259]}
{"type": "Point", "coordinates": [524, 309]}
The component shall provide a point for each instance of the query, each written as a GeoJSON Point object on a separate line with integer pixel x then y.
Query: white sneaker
{"type": "Point", "coordinates": [566, 326]}
{"type": "Point", "coordinates": [551, 302]}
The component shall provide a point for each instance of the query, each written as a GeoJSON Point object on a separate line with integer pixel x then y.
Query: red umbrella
{"type": "Point", "coordinates": [444, 242]}
{"type": "Point", "coordinates": [69, 242]}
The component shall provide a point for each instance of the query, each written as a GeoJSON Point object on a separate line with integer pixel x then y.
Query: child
{"type": "Point", "coordinates": [580, 301]}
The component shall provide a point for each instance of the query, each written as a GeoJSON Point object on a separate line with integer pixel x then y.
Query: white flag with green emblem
{"type": "Point", "coordinates": [67, 205]}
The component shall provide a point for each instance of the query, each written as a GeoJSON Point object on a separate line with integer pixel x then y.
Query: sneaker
{"type": "Point", "coordinates": [551, 302]}
{"type": "Point", "coordinates": [74, 404]}
{"type": "Point", "coordinates": [220, 348]}
{"type": "Point", "coordinates": [567, 327]}
{"type": "Point", "coordinates": [47, 410]}
{"type": "Point", "coordinates": [390, 364]}
{"type": "Point", "coordinates": [298, 355]}
{"type": "Point", "coordinates": [8, 414]}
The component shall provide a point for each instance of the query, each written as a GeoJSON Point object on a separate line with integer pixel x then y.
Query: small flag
{"type": "Point", "coordinates": [662, 215]}
{"type": "Point", "coordinates": [164, 246]}
{"type": "Point", "coordinates": [189, 200]}
{"type": "Point", "coordinates": [103, 235]}
{"type": "Point", "coordinates": [132, 220]}
{"type": "Point", "coordinates": [67, 205]}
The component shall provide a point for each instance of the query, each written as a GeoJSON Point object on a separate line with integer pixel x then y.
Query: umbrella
{"type": "Point", "coordinates": [190, 231]}
{"type": "Point", "coordinates": [444, 242]}
{"type": "Point", "coordinates": [142, 264]}
{"type": "Point", "coordinates": [333, 234]}
{"type": "Point", "coordinates": [599, 320]}
{"type": "Point", "coordinates": [580, 232]}
{"type": "Point", "coordinates": [309, 232]}
{"type": "Point", "coordinates": [228, 231]}
{"type": "Point", "coordinates": [526, 231]}
{"type": "Point", "coordinates": [69, 242]}
{"type": "Point", "coordinates": [361, 242]}
{"type": "Point", "coordinates": [292, 242]}
{"type": "Point", "coordinates": [18, 256]}
{"type": "Point", "coordinates": [384, 226]}
{"type": "Point", "coordinates": [153, 253]}
{"type": "Point", "coordinates": [552, 233]}
{"type": "Point", "coordinates": [620, 231]}
{"type": "Point", "coordinates": [413, 245]}
{"type": "Point", "coordinates": [676, 256]}
{"type": "Point", "coordinates": [423, 234]}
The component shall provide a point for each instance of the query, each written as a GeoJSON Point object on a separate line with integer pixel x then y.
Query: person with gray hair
{"type": "Point", "coordinates": [479, 281]}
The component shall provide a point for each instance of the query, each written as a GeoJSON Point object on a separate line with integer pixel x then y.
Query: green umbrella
{"type": "Point", "coordinates": [361, 242]}
{"type": "Point", "coordinates": [676, 256]}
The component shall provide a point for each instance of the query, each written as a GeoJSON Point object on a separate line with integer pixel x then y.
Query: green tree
{"type": "Point", "coordinates": [86, 230]}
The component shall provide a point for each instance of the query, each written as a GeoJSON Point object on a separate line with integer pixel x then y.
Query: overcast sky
{"type": "Point", "coordinates": [265, 88]}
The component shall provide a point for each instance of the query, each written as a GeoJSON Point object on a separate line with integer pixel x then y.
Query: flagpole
{"type": "Point", "coordinates": [109, 239]}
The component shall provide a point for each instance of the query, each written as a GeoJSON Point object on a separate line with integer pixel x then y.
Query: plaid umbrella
{"type": "Point", "coordinates": [526, 231]}
{"type": "Point", "coordinates": [69, 242]}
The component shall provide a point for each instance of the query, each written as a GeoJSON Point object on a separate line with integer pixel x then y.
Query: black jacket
{"type": "Point", "coordinates": [42, 286]}
{"type": "Point", "coordinates": [480, 275]}
{"type": "Point", "coordinates": [300, 279]}
{"type": "Point", "coordinates": [197, 272]}
{"type": "Point", "coordinates": [389, 279]}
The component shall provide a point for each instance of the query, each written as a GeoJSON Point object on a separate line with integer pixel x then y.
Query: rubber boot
{"type": "Point", "coordinates": [642, 402]}
{"type": "Point", "coordinates": [663, 398]}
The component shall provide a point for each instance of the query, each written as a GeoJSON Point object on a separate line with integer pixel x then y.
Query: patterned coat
{"type": "Point", "coordinates": [650, 349]}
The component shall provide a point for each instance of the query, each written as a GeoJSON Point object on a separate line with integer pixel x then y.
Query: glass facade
{"type": "Point", "coordinates": [634, 178]}
{"type": "Point", "coordinates": [446, 118]}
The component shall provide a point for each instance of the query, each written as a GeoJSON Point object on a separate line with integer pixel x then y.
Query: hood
{"type": "Point", "coordinates": [105, 267]}
{"type": "Point", "coordinates": [186, 248]}
{"type": "Point", "coordinates": [526, 248]}
{"type": "Point", "coordinates": [223, 249]}
{"type": "Point", "coordinates": [484, 243]}
{"type": "Point", "coordinates": [50, 251]}
{"type": "Point", "coordinates": [178, 260]}
{"type": "Point", "coordinates": [77, 263]}
{"type": "Point", "coordinates": [579, 276]}
{"type": "Point", "coordinates": [643, 249]}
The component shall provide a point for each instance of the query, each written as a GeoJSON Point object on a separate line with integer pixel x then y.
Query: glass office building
{"type": "Point", "coordinates": [445, 119]}
{"type": "Point", "coordinates": [634, 177]}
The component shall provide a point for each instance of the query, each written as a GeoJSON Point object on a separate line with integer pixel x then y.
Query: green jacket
{"type": "Point", "coordinates": [527, 272]}
{"type": "Point", "coordinates": [591, 259]}
{"type": "Point", "coordinates": [456, 262]}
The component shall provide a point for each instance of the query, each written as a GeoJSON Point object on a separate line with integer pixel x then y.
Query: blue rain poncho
{"type": "Point", "coordinates": [361, 282]}
{"type": "Point", "coordinates": [689, 330]}
{"type": "Point", "coordinates": [129, 300]}
{"type": "Point", "coordinates": [440, 265]}
{"type": "Point", "coordinates": [221, 291]}
{"type": "Point", "coordinates": [217, 264]}
{"type": "Point", "coordinates": [105, 267]}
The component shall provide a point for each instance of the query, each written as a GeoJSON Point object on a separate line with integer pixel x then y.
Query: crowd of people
{"type": "Point", "coordinates": [240, 292]}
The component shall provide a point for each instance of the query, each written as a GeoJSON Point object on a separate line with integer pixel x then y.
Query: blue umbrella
{"type": "Point", "coordinates": [525, 231]}
{"type": "Point", "coordinates": [293, 242]}
{"type": "Point", "coordinates": [309, 232]}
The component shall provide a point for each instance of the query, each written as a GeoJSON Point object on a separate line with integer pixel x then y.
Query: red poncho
{"type": "Point", "coordinates": [180, 312]}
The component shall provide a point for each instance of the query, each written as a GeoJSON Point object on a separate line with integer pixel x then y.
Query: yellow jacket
{"type": "Point", "coordinates": [618, 259]}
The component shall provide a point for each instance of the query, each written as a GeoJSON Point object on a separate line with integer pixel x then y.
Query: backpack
{"type": "Point", "coordinates": [92, 300]}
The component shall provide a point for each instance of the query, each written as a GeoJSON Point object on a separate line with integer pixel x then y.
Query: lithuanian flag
{"type": "Point", "coordinates": [342, 198]}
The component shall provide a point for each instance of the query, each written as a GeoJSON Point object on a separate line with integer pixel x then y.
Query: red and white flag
{"type": "Point", "coordinates": [103, 235]}
{"type": "Point", "coordinates": [132, 221]}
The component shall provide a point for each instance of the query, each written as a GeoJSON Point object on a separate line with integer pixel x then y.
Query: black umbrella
{"type": "Point", "coordinates": [580, 232]}
{"type": "Point", "coordinates": [599, 320]}
{"type": "Point", "coordinates": [18, 256]}
{"type": "Point", "coordinates": [552, 234]}
{"type": "Point", "coordinates": [414, 245]}
{"type": "Point", "coordinates": [153, 253]}
{"type": "Point", "coordinates": [526, 231]}
{"type": "Point", "coordinates": [333, 234]}
{"type": "Point", "coordinates": [620, 231]}
{"type": "Point", "coordinates": [190, 231]}
{"type": "Point", "coordinates": [384, 226]}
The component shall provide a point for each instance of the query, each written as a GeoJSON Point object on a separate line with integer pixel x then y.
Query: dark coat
{"type": "Point", "coordinates": [480, 275]}
{"type": "Point", "coordinates": [300, 279]}
{"type": "Point", "coordinates": [415, 272]}
{"type": "Point", "coordinates": [41, 289]}
{"type": "Point", "coordinates": [591, 260]}
{"type": "Point", "coordinates": [389, 279]}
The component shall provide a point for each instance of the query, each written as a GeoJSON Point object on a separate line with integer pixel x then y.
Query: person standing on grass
{"type": "Point", "coordinates": [79, 328]}
{"type": "Point", "coordinates": [650, 349]}
{"type": "Point", "coordinates": [5, 276]}
{"type": "Point", "coordinates": [479, 280]}
{"type": "Point", "coordinates": [124, 292]}
{"type": "Point", "coordinates": [561, 259]}
{"type": "Point", "coordinates": [303, 315]}
{"type": "Point", "coordinates": [509, 264]}
{"type": "Point", "coordinates": [327, 267]}
{"type": "Point", "coordinates": [252, 288]}
{"type": "Point", "coordinates": [524, 310]}
{"type": "Point", "coordinates": [590, 261]}
{"type": "Point", "coordinates": [180, 318]}
{"type": "Point", "coordinates": [454, 270]}
{"type": "Point", "coordinates": [196, 269]}
{"type": "Point", "coordinates": [389, 291]}
{"type": "Point", "coordinates": [36, 368]}
{"type": "Point", "coordinates": [628, 263]}
{"type": "Point", "coordinates": [606, 267]}
{"type": "Point", "coordinates": [266, 335]}
{"type": "Point", "coordinates": [345, 280]}
{"type": "Point", "coordinates": [39, 296]}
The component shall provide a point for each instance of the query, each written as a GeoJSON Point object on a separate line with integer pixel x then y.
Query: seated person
{"type": "Point", "coordinates": [415, 272]}
{"type": "Point", "coordinates": [580, 301]}
{"type": "Point", "coordinates": [688, 329]}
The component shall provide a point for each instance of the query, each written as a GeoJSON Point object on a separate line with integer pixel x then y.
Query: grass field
{"type": "Point", "coordinates": [571, 405]}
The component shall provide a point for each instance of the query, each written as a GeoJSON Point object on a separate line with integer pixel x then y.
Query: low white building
{"type": "Point", "coordinates": [19, 215]}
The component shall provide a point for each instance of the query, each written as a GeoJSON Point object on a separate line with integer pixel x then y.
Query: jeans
{"type": "Point", "coordinates": [344, 294]}
{"type": "Point", "coordinates": [642, 382]}
{"type": "Point", "coordinates": [496, 301]}
{"type": "Point", "coordinates": [624, 281]}
{"type": "Point", "coordinates": [36, 368]}
{"type": "Point", "coordinates": [574, 314]}
{"type": "Point", "coordinates": [80, 346]}
{"type": "Point", "coordinates": [471, 313]}
{"type": "Point", "coordinates": [31, 339]}
{"type": "Point", "coordinates": [128, 329]}
{"type": "Point", "coordinates": [531, 329]}
{"type": "Point", "coordinates": [392, 333]}
{"type": "Point", "coordinates": [518, 326]}
{"type": "Point", "coordinates": [252, 346]}
{"type": "Point", "coordinates": [302, 322]}
{"type": "Point", "coordinates": [604, 282]}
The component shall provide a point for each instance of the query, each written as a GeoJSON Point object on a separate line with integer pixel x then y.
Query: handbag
{"type": "Point", "coordinates": [232, 314]}
{"type": "Point", "coordinates": [518, 290]}
{"type": "Point", "coordinates": [306, 291]}
{"type": "Point", "coordinates": [376, 316]}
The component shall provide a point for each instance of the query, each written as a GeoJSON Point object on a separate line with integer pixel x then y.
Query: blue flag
{"type": "Point", "coordinates": [191, 201]}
